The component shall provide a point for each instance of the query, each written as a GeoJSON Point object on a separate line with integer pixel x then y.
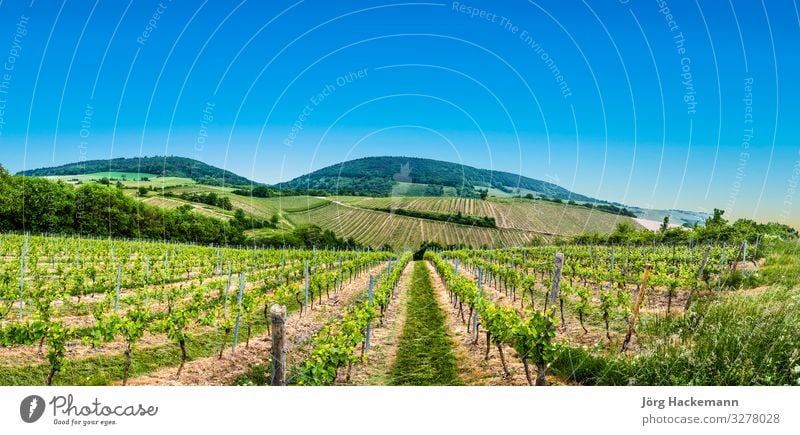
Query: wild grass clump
{"type": "Point", "coordinates": [737, 340]}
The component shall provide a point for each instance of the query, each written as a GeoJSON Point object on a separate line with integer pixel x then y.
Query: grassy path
{"type": "Point", "coordinates": [424, 355]}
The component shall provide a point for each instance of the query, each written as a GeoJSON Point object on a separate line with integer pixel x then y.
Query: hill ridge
{"type": "Point", "coordinates": [167, 166]}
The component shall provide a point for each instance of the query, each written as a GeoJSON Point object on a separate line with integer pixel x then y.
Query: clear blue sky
{"type": "Point", "coordinates": [624, 101]}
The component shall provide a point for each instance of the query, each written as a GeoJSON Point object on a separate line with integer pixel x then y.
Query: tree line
{"type": "Point", "coordinates": [43, 206]}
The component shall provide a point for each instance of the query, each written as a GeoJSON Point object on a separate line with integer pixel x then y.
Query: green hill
{"type": "Point", "coordinates": [169, 166]}
{"type": "Point", "coordinates": [385, 176]}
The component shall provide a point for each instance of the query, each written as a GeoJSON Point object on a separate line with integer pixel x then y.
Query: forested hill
{"type": "Point", "coordinates": [376, 176]}
{"type": "Point", "coordinates": [169, 166]}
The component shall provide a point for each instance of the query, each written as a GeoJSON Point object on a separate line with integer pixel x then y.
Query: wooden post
{"type": "Point", "coordinates": [639, 299]}
{"type": "Point", "coordinates": [278, 320]}
{"type": "Point", "coordinates": [238, 313]}
{"type": "Point", "coordinates": [559, 265]}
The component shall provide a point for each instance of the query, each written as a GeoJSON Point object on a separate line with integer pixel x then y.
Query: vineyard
{"type": "Point", "coordinates": [521, 214]}
{"type": "Point", "coordinates": [82, 311]}
{"type": "Point", "coordinates": [380, 221]}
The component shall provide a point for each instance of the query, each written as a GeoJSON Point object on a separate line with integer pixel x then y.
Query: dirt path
{"type": "Point", "coordinates": [299, 329]}
{"type": "Point", "coordinates": [376, 370]}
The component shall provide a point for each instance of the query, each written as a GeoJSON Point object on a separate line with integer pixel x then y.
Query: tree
{"type": "Point", "coordinates": [484, 193]}
{"type": "Point", "coordinates": [665, 224]}
{"type": "Point", "coordinates": [624, 232]}
{"type": "Point", "coordinates": [142, 191]}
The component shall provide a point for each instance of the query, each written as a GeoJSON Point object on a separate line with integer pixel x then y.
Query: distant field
{"type": "Point", "coordinates": [160, 182]}
{"type": "Point", "coordinates": [377, 228]}
{"type": "Point", "coordinates": [200, 188]}
{"type": "Point", "coordinates": [521, 214]}
{"type": "Point", "coordinates": [266, 207]}
{"type": "Point", "coordinates": [129, 176]}
{"type": "Point", "coordinates": [128, 179]}
{"type": "Point", "coordinates": [170, 203]}
{"type": "Point", "coordinates": [417, 189]}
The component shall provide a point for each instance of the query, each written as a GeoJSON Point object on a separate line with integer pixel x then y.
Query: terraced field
{"type": "Point", "coordinates": [520, 214]}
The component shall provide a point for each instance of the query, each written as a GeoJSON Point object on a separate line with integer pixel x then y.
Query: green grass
{"type": "Point", "coordinates": [737, 340]}
{"type": "Point", "coordinates": [424, 355]}
{"type": "Point", "coordinates": [783, 264]}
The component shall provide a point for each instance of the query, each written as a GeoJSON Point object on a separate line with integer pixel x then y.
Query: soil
{"type": "Point", "coordinates": [299, 329]}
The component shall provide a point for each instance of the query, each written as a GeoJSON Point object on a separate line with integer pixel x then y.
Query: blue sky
{"type": "Point", "coordinates": [648, 103]}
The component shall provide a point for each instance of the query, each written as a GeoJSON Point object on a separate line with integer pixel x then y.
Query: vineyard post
{"type": "Point", "coordinates": [278, 320]}
{"type": "Point", "coordinates": [146, 270]}
{"type": "Point", "coordinates": [559, 265]}
{"type": "Point", "coordinates": [721, 266]}
{"type": "Point", "coordinates": [611, 275]}
{"type": "Point", "coordinates": [639, 299]}
{"type": "Point", "coordinates": [305, 306]}
{"type": "Point", "coordinates": [699, 275]}
{"type": "Point", "coordinates": [455, 273]}
{"type": "Point", "coordinates": [369, 322]}
{"type": "Point", "coordinates": [227, 289]}
{"type": "Point", "coordinates": [116, 295]}
{"type": "Point", "coordinates": [339, 288]}
{"type": "Point", "coordinates": [238, 312]}
{"type": "Point", "coordinates": [744, 255]}
{"type": "Point", "coordinates": [480, 294]}
{"type": "Point", "coordinates": [22, 280]}
{"type": "Point", "coordinates": [758, 244]}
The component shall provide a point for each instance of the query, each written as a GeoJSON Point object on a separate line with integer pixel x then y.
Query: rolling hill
{"type": "Point", "coordinates": [411, 176]}
{"type": "Point", "coordinates": [377, 201]}
{"type": "Point", "coordinates": [382, 176]}
{"type": "Point", "coordinates": [165, 166]}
